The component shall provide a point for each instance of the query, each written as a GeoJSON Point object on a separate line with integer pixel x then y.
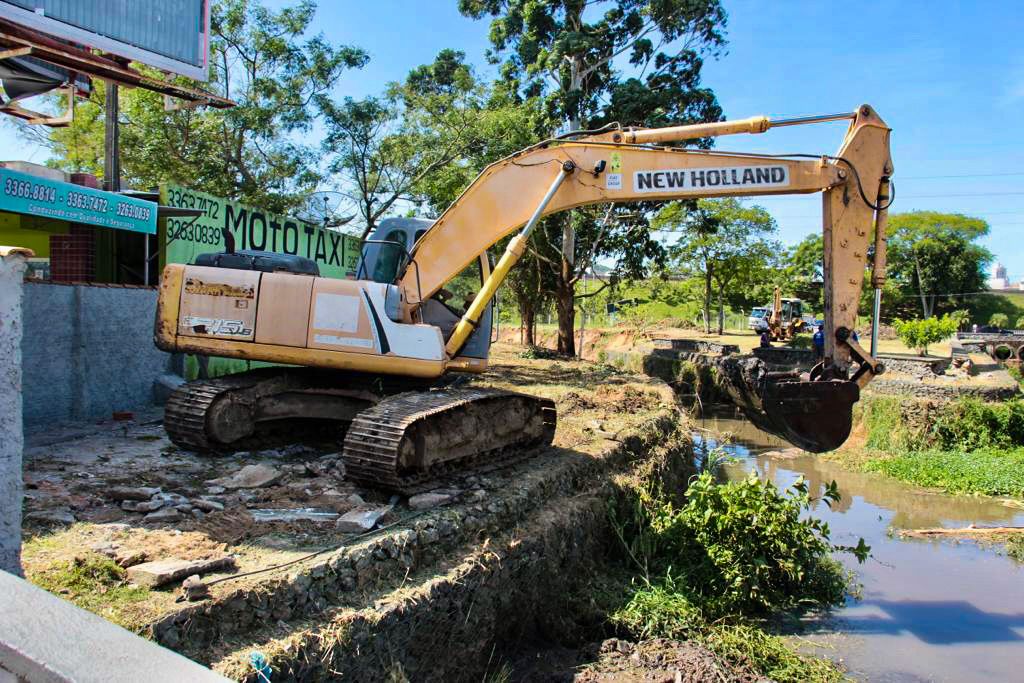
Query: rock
{"type": "Point", "coordinates": [161, 572]}
{"type": "Point", "coordinates": [172, 499]}
{"type": "Point", "coordinates": [105, 548]}
{"type": "Point", "coordinates": [163, 515]}
{"type": "Point", "coordinates": [215, 490]}
{"type": "Point", "coordinates": [425, 501]}
{"type": "Point", "coordinates": [207, 505]}
{"type": "Point", "coordinates": [294, 515]}
{"type": "Point", "coordinates": [58, 516]}
{"type": "Point", "coordinates": [132, 492]}
{"type": "Point", "coordinates": [130, 558]}
{"type": "Point", "coordinates": [249, 477]}
{"type": "Point", "coordinates": [359, 521]}
{"type": "Point", "coordinates": [145, 506]}
{"type": "Point", "coordinates": [356, 499]}
{"type": "Point", "coordinates": [194, 588]}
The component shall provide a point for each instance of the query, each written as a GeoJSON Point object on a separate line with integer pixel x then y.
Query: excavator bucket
{"type": "Point", "coordinates": [815, 415]}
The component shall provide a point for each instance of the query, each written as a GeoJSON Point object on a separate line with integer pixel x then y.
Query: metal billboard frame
{"type": "Point", "coordinates": [61, 30]}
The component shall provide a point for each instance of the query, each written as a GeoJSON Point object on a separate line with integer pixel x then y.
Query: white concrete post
{"type": "Point", "coordinates": [12, 269]}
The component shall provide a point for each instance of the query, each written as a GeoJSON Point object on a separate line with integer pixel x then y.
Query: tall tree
{"type": "Point", "coordinates": [724, 242]}
{"type": "Point", "coordinates": [261, 59]}
{"type": "Point", "coordinates": [568, 53]}
{"type": "Point", "coordinates": [933, 255]}
{"type": "Point", "coordinates": [383, 150]}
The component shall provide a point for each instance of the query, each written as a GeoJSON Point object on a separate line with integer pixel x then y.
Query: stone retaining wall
{"type": "Point", "coordinates": [350, 576]}
{"type": "Point", "coordinates": [940, 392]}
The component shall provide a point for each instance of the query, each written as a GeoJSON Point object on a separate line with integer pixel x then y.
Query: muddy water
{"type": "Point", "coordinates": [938, 610]}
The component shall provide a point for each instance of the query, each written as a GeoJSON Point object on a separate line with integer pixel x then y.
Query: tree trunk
{"type": "Point", "coordinates": [565, 304]}
{"type": "Point", "coordinates": [707, 302]}
{"type": "Point", "coordinates": [721, 314]}
{"type": "Point", "coordinates": [529, 318]}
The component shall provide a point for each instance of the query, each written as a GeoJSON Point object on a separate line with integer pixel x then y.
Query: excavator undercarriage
{"type": "Point", "coordinates": [396, 433]}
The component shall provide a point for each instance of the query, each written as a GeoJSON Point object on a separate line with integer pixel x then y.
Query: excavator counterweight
{"type": "Point", "coordinates": [376, 350]}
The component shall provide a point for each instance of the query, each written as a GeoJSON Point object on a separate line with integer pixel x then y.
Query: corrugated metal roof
{"type": "Point", "coordinates": [167, 27]}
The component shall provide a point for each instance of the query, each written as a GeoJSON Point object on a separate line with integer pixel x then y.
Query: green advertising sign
{"type": "Point", "coordinates": [335, 253]}
{"type": "Point", "coordinates": [28, 194]}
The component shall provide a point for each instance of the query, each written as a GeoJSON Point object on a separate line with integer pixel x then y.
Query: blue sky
{"type": "Point", "coordinates": [947, 77]}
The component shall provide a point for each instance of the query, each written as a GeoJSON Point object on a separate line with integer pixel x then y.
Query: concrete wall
{"type": "Point", "coordinates": [87, 351]}
{"type": "Point", "coordinates": [12, 266]}
{"type": "Point", "coordinates": [44, 638]}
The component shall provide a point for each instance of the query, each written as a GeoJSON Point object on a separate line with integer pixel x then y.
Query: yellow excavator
{"type": "Point", "coordinates": [372, 353]}
{"type": "Point", "coordinates": [785, 317]}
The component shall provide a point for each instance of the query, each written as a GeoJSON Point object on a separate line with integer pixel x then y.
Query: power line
{"type": "Point", "coordinates": [965, 175]}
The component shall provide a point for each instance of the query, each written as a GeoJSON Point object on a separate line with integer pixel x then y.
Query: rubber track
{"type": "Point", "coordinates": [185, 412]}
{"type": "Point", "coordinates": [371, 446]}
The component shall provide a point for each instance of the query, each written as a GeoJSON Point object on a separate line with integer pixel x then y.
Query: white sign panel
{"type": "Point", "coordinates": [698, 179]}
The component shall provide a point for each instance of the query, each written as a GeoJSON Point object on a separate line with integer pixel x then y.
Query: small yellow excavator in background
{"type": "Point", "coordinates": [785, 317]}
{"type": "Point", "coordinates": [371, 351]}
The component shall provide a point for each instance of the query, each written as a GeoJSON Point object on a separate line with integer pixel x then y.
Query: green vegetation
{"type": "Point", "coordinates": [969, 447]}
{"type": "Point", "coordinates": [998, 320]}
{"type": "Point", "coordinates": [987, 471]}
{"type": "Point", "coordinates": [919, 334]}
{"type": "Point", "coordinates": [715, 567]}
{"type": "Point", "coordinates": [94, 583]}
{"type": "Point", "coordinates": [1015, 547]}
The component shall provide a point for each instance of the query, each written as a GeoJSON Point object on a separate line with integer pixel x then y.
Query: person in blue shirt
{"type": "Point", "coordinates": [819, 342]}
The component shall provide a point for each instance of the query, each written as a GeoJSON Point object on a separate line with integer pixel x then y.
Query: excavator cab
{"type": "Point", "coordinates": [386, 253]}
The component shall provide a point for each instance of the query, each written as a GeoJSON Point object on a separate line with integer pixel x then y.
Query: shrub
{"type": "Point", "coordinates": [918, 334]}
{"type": "Point", "coordinates": [740, 547]}
{"type": "Point", "coordinates": [961, 317]}
{"type": "Point", "coordinates": [968, 424]}
{"type": "Point", "coordinates": [1019, 325]}
{"type": "Point", "coordinates": [999, 320]}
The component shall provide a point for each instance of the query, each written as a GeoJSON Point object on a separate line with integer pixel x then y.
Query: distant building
{"type": "Point", "coordinates": [997, 277]}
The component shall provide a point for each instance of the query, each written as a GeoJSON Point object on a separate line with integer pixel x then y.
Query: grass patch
{"type": "Point", "coordinates": [1015, 547]}
{"type": "Point", "coordinates": [966, 446]}
{"type": "Point", "coordinates": [989, 471]}
{"type": "Point", "coordinates": [94, 583]}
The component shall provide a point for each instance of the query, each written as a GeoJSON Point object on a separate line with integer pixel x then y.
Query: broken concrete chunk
{"type": "Point", "coordinates": [130, 558]}
{"type": "Point", "coordinates": [161, 572]}
{"type": "Point", "coordinates": [107, 548]}
{"type": "Point", "coordinates": [194, 588]}
{"type": "Point", "coordinates": [425, 501]}
{"type": "Point", "coordinates": [173, 499]}
{"type": "Point", "coordinates": [207, 505]}
{"type": "Point", "coordinates": [143, 506]}
{"type": "Point", "coordinates": [249, 477]}
{"type": "Point", "coordinates": [163, 515]}
{"type": "Point", "coordinates": [293, 515]}
{"type": "Point", "coordinates": [132, 492]}
{"type": "Point", "coordinates": [58, 516]}
{"type": "Point", "coordinates": [359, 521]}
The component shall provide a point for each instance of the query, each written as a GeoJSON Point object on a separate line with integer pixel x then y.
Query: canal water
{"type": "Point", "coordinates": [929, 610]}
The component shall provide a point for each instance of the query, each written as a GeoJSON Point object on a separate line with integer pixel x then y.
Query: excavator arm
{"type": "Point", "coordinates": [632, 165]}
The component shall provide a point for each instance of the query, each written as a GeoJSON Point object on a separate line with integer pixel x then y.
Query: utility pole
{"type": "Point", "coordinates": [111, 142]}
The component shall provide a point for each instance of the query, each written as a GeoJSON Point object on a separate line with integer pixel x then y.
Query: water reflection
{"type": "Point", "coordinates": [931, 610]}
